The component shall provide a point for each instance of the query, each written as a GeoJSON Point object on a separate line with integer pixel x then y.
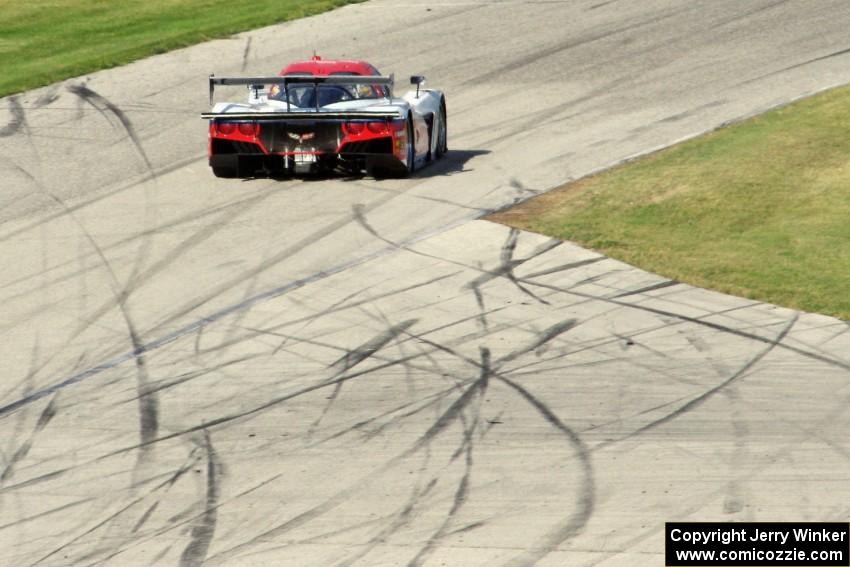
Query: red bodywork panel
{"type": "Point", "coordinates": [318, 66]}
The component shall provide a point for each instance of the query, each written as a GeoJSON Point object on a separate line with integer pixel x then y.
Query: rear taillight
{"type": "Point", "coordinates": [249, 128]}
{"type": "Point", "coordinates": [377, 127]}
{"type": "Point", "coordinates": [244, 128]}
{"type": "Point", "coordinates": [354, 127]}
{"type": "Point", "coordinates": [225, 128]}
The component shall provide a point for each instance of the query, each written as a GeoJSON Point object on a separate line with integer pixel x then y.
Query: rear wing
{"type": "Point", "coordinates": [302, 79]}
{"type": "Point", "coordinates": [311, 115]}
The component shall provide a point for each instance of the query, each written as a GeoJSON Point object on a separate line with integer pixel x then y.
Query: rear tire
{"type": "Point", "coordinates": [225, 172]}
{"type": "Point", "coordinates": [442, 132]}
{"type": "Point", "coordinates": [226, 166]}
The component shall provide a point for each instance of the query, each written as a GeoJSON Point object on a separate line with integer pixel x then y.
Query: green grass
{"type": "Point", "coordinates": [44, 41]}
{"type": "Point", "coordinates": [760, 209]}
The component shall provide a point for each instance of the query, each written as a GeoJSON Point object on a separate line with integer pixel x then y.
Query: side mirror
{"type": "Point", "coordinates": [417, 80]}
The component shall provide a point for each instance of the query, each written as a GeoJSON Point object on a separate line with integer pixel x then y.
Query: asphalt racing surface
{"type": "Point", "coordinates": [357, 372]}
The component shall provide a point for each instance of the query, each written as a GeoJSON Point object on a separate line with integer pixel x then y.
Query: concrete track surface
{"type": "Point", "coordinates": [358, 372]}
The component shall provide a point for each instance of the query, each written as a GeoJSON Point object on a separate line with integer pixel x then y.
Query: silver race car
{"type": "Point", "coordinates": [322, 116]}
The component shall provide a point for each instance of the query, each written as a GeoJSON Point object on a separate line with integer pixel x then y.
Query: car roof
{"type": "Point", "coordinates": [320, 67]}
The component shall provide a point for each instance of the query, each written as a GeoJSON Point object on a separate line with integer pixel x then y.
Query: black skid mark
{"type": "Point", "coordinates": [507, 252]}
{"type": "Point", "coordinates": [204, 529]}
{"type": "Point", "coordinates": [258, 409]}
{"type": "Point", "coordinates": [315, 316]}
{"type": "Point", "coordinates": [46, 513]}
{"type": "Point", "coordinates": [462, 491]}
{"type": "Point", "coordinates": [456, 409]}
{"type": "Point", "coordinates": [552, 332]}
{"type": "Point", "coordinates": [167, 383]}
{"type": "Point", "coordinates": [572, 525]}
{"type": "Point", "coordinates": [46, 415]}
{"type": "Point", "coordinates": [522, 191]}
{"type": "Point", "coordinates": [586, 497]}
{"type": "Point", "coordinates": [294, 248]}
{"type": "Point", "coordinates": [246, 52]}
{"type": "Point", "coordinates": [47, 98]}
{"type": "Point", "coordinates": [343, 495]}
{"type": "Point", "coordinates": [197, 343]}
{"type": "Point", "coordinates": [482, 310]}
{"type": "Point", "coordinates": [97, 101]}
{"type": "Point", "coordinates": [698, 321]}
{"type": "Point", "coordinates": [148, 401]}
{"type": "Point", "coordinates": [358, 355]}
{"type": "Point", "coordinates": [508, 264]}
{"type": "Point", "coordinates": [18, 118]}
{"type": "Point", "coordinates": [26, 385]}
{"type": "Point", "coordinates": [373, 345]}
{"type": "Point", "coordinates": [566, 267]}
{"type": "Point", "coordinates": [421, 406]}
{"type": "Point", "coordinates": [110, 518]}
{"type": "Point", "coordinates": [460, 496]}
{"type": "Point", "coordinates": [705, 396]}
{"type": "Point", "coordinates": [145, 517]}
{"type": "Point", "coordinates": [653, 287]}
{"type": "Point", "coordinates": [397, 521]}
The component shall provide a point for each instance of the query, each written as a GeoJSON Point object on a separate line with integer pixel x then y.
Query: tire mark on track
{"type": "Point", "coordinates": [705, 396]}
{"type": "Point", "coordinates": [462, 491]}
{"type": "Point", "coordinates": [94, 99]}
{"type": "Point", "coordinates": [172, 224]}
{"type": "Point", "coordinates": [335, 308]}
{"type": "Point", "coordinates": [370, 347]}
{"type": "Point", "coordinates": [565, 267]}
{"type": "Point", "coordinates": [396, 522]}
{"type": "Point", "coordinates": [567, 44]}
{"type": "Point", "coordinates": [653, 287]}
{"type": "Point", "coordinates": [183, 518]}
{"type": "Point", "coordinates": [454, 411]}
{"type": "Point", "coordinates": [204, 529]}
{"type": "Point", "coordinates": [113, 516]}
{"type": "Point", "coordinates": [23, 450]}
{"type": "Point", "coordinates": [508, 264]}
{"type": "Point", "coordinates": [550, 333]}
{"type": "Point", "coordinates": [746, 14]}
{"type": "Point", "coordinates": [46, 513]}
{"type": "Point", "coordinates": [184, 246]}
{"type": "Point", "coordinates": [796, 66]}
{"type": "Point", "coordinates": [47, 98]}
{"type": "Point", "coordinates": [585, 496]}
{"type": "Point", "coordinates": [145, 517]}
{"type": "Point", "coordinates": [246, 52]}
{"type": "Point", "coordinates": [17, 119]}
{"type": "Point", "coordinates": [148, 404]}
{"type": "Point", "coordinates": [586, 492]}
{"type": "Point", "coordinates": [698, 321]}
{"type": "Point", "coordinates": [358, 355]}
{"type": "Point", "coordinates": [223, 312]}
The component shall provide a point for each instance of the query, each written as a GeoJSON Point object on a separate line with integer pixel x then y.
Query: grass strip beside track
{"type": "Point", "coordinates": [759, 209]}
{"type": "Point", "coordinates": [45, 41]}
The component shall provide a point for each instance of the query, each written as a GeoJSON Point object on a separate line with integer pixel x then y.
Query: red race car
{"type": "Point", "coordinates": [322, 116]}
